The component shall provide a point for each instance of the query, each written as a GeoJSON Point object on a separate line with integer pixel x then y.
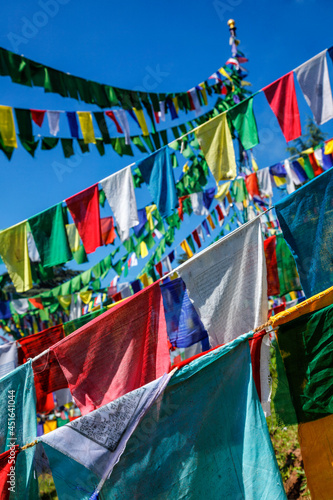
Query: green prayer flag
{"type": "Point", "coordinates": [96, 270]}
{"type": "Point", "coordinates": [139, 144]}
{"type": "Point", "coordinates": [96, 284]}
{"type": "Point", "coordinates": [242, 118]}
{"type": "Point", "coordinates": [29, 145]}
{"type": "Point", "coordinates": [76, 283]}
{"type": "Point", "coordinates": [66, 288]}
{"type": "Point", "coordinates": [308, 167]}
{"type": "Point", "coordinates": [149, 240]}
{"type": "Point", "coordinates": [164, 137]}
{"type": "Point", "coordinates": [191, 243]}
{"type": "Point", "coordinates": [100, 146]}
{"type": "Point", "coordinates": [50, 143]}
{"type": "Point", "coordinates": [23, 119]}
{"type": "Point", "coordinates": [83, 146]}
{"type": "Point", "coordinates": [6, 149]}
{"type": "Point", "coordinates": [67, 147]}
{"type": "Point", "coordinates": [147, 140]}
{"type": "Point", "coordinates": [287, 271]}
{"type": "Point", "coordinates": [101, 122]}
{"type": "Point", "coordinates": [156, 139]}
{"type": "Point", "coordinates": [80, 255]}
{"type": "Point", "coordinates": [86, 277]}
{"type": "Point", "coordinates": [49, 232]}
{"type": "Point", "coordinates": [238, 190]}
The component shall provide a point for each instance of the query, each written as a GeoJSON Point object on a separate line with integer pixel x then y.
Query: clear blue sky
{"type": "Point", "coordinates": [120, 43]}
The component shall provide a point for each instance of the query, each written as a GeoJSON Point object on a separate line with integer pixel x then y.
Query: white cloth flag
{"type": "Point", "coordinates": [162, 111]}
{"type": "Point", "coordinates": [8, 358]}
{"type": "Point", "coordinates": [198, 204]}
{"type": "Point", "coordinates": [75, 311]}
{"type": "Point", "coordinates": [119, 191]}
{"type": "Point", "coordinates": [290, 177]}
{"type": "Point", "coordinates": [227, 284]}
{"type": "Point", "coordinates": [265, 182]}
{"type": "Point", "coordinates": [53, 119]}
{"type": "Point", "coordinates": [20, 305]}
{"type": "Point", "coordinates": [97, 440]}
{"type": "Point", "coordinates": [122, 118]}
{"type": "Point", "coordinates": [166, 262]}
{"type": "Point", "coordinates": [200, 233]}
{"type": "Point", "coordinates": [265, 377]}
{"type": "Point", "coordinates": [32, 249]}
{"type": "Point", "coordinates": [314, 80]}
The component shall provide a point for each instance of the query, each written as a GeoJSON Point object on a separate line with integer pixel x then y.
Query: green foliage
{"type": "Point", "coordinates": [312, 137]}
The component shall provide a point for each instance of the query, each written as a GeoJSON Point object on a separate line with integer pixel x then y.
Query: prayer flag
{"type": "Point", "coordinates": [84, 208]}
{"type": "Point", "coordinates": [281, 97]}
{"type": "Point", "coordinates": [184, 326]}
{"type": "Point", "coordinates": [7, 464]}
{"type": "Point", "coordinates": [17, 262]}
{"type": "Point", "coordinates": [73, 125]}
{"type": "Point", "coordinates": [53, 120]}
{"type": "Point", "coordinates": [215, 141]}
{"type": "Point", "coordinates": [7, 127]}
{"type": "Point", "coordinates": [252, 184]}
{"type": "Point", "coordinates": [37, 116]}
{"type": "Point", "coordinates": [273, 285]}
{"type": "Point", "coordinates": [119, 191]}
{"type": "Point", "coordinates": [314, 81]}
{"type": "Point", "coordinates": [49, 232]}
{"type": "Point", "coordinates": [229, 276]}
{"type": "Point", "coordinates": [87, 128]}
{"type": "Point", "coordinates": [8, 358]}
{"type": "Point", "coordinates": [242, 118]}
{"type": "Point", "coordinates": [306, 217]}
{"type": "Point", "coordinates": [101, 436]}
{"type": "Point", "coordinates": [96, 358]}
{"type": "Point", "coordinates": [157, 172]}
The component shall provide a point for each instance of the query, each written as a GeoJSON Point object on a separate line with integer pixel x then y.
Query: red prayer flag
{"type": "Point", "coordinates": [251, 183]}
{"type": "Point", "coordinates": [7, 460]}
{"type": "Point", "coordinates": [196, 238]}
{"type": "Point", "coordinates": [192, 107]}
{"type": "Point", "coordinates": [48, 375]}
{"type": "Point", "coordinates": [84, 208]}
{"type": "Point", "coordinates": [180, 208]}
{"type": "Point", "coordinates": [37, 116]}
{"type": "Point", "coordinates": [37, 303]}
{"type": "Point", "coordinates": [111, 115]}
{"type": "Point", "coordinates": [159, 268]}
{"type": "Point", "coordinates": [117, 352]}
{"type": "Point", "coordinates": [255, 349]}
{"type": "Point", "coordinates": [317, 170]}
{"type": "Point", "coordinates": [219, 212]}
{"type": "Point", "coordinates": [273, 284]}
{"type": "Point", "coordinates": [116, 297]}
{"type": "Point", "coordinates": [108, 230]}
{"type": "Point", "coordinates": [281, 97]}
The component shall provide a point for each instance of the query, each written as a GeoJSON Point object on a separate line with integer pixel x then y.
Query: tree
{"type": "Point", "coordinates": [312, 137]}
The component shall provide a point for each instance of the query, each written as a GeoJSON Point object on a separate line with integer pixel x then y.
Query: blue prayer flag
{"type": "Point", "coordinates": [157, 172]}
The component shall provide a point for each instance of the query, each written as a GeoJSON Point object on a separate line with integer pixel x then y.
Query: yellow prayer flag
{"type": "Point", "coordinates": [316, 441]}
{"type": "Point", "coordinates": [175, 103]}
{"type": "Point", "coordinates": [143, 250]}
{"type": "Point", "coordinates": [14, 253]}
{"type": "Point", "coordinates": [86, 296]}
{"type": "Point", "coordinates": [185, 246]}
{"type": "Point", "coordinates": [204, 93]}
{"type": "Point", "coordinates": [279, 181]}
{"type": "Point", "coordinates": [49, 425]}
{"type": "Point", "coordinates": [254, 164]}
{"type": "Point", "coordinates": [319, 301]}
{"type": "Point", "coordinates": [222, 191]}
{"type": "Point", "coordinates": [87, 128]}
{"type": "Point", "coordinates": [144, 280]}
{"type": "Point", "coordinates": [150, 209]}
{"type": "Point", "coordinates": [7, 127]}
{"type": "Point", "coordinates": [65, 301]}
{"type": "Point", "coordinates": [73, 237]}
{"type": "Point", "coordinates": [329, 147]}
{"type": "Point", "coordinates": [210, 220]}
{"type": "Point", "coordinates": [215, 141]}
{"type": "Point", "coordinates": [142, 121]}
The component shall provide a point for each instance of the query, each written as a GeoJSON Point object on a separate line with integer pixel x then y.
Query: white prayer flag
{"type": "Point", "coordinates": [53, 119]}
{"type": "Point", "coordinates": [227, 284]}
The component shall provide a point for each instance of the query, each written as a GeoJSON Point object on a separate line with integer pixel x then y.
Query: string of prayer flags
{"type": "Point", "coordinates": [17, 396]}
{"type": "Point", "coordinates": [281, 96]}
{"type": "Point", "coordinates": [158, 174]}
{"type": "Point", "coordinates": [216, 144]}
{"type": "Point", "coordinates": [7, 127]}
{"type": "Point", "coordinates": [305, 217]}
{"type": "Point", "coordinates": [105, 445]}
{"type": "Point", "coordinates": [306, 349]}
{"type": "Point", "coordinates": [230, 275]}
{"type": "Point", "coordinates": [50, 236]}
{"type": "Point", "coordinates": [119, 191]}
{"type": "Point", "coordinates": [84, 208]}
{"type": "Point", "coordinates": [192, 392]}
{"type": "Point", "coordinates": [242, 118]}
{"type": "Point", "coordinates": [313, 78]}
{"type": "Point", "coordinates": [17, 263]}
{"type": "Point", "coordinates": [183, 323]}
{"type": "Point", "coordinates": [96, 378]}
{"type": "Point", "coordinates": [87, 128]}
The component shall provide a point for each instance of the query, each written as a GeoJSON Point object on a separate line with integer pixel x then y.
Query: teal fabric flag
{"type": "Point", "coordinates": [205, 437]}
{"type": "Point", "coordinates": [306, 219]}
{"type": "Point", "coordinates": [18, 425]}
{"type": "Point", "coordinates": [49, 232]}
{"type": "Point", "coordinates": [157, 172]}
